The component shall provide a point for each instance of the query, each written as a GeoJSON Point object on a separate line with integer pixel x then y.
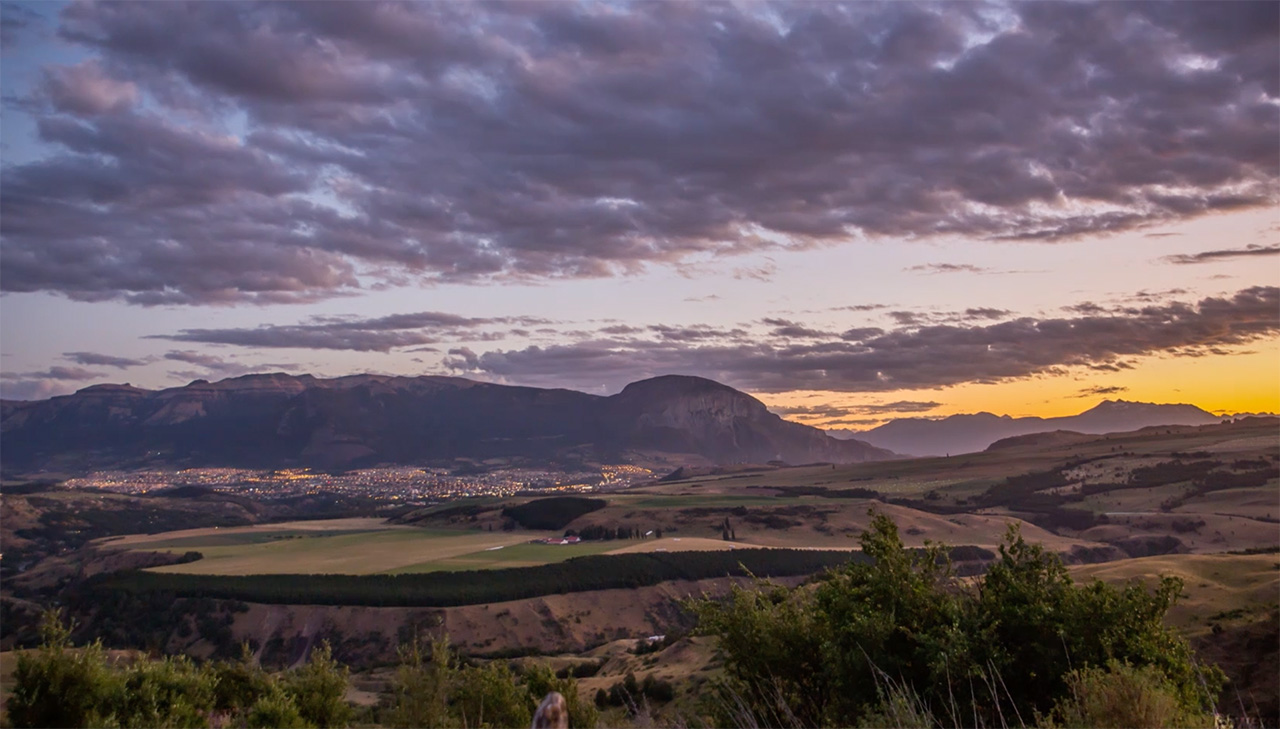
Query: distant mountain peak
{"type": "Point", "coordinates": [975, 432]}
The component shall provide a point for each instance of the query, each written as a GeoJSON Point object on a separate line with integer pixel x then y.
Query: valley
{"type": "Point", "coordinates": [1198, 502]}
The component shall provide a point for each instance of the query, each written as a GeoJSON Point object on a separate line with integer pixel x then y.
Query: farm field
{"type": "Point", "coordinates": [369, 546]}
{"type": "Point", "coordinates": [266, 550]}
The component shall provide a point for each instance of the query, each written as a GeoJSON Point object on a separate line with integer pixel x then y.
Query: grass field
{"type": "Point", "coordinates": [515, 555]}
{"type": "Point", "coordinates": [363, 546]}
{"type": "Point", "coordinates": [1217, 588]}
{"type": "Point", "coordinates": [342, 551]}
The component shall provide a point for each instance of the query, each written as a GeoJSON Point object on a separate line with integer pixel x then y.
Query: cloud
{"type": "Point", "coordinates": [298, 151]}
{"type": "Point", "coordinates": [215, 365]}
{"type": "Point", "coordinates": [377, 334]}
{"type": "Point", "coordinates": [985, 313]}
{"type": "Point", "coordinates": [935, 268]}
{"type": "Point", "coordinates": [795, 330]}
{"type": "Point", "coordinates": [836, 411]}
{"type": "Point", "coordinates": [1100, 390]}
{"type": "Point", "coordinates": [56, 372]}
{"type": "Point", "coordinates": [1249, 251]}
{"type": "Point", "coordinates": [93, 359]}
{"type": "Point", "coordinates": [910, 357]}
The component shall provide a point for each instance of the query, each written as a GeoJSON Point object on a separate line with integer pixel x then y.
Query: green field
{"type": "Point", "coordinates": [389, 549]}
{"type": "Point", "coordinates": [516, 555]}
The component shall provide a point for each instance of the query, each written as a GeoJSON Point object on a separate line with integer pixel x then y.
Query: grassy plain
{"type": "Point", "coordinates": [1217, 588]}
{"type": "Point", "coordinates": [387, 549]}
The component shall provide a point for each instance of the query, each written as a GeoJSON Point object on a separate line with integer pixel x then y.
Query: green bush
{"type": "Point", "coordinates": [488, 696]}
{"type": "Point", "coordinates": [58, 685]}
{"type": "Point", "coordinates": [540, 681]}
{"type": "Point", "coordinates": [318, 688]}
{"type": "Point", "coordinates": [275, 710]}
{"type": "Point", "coordinates": [61, 686]}
{"type": "Point", "coordinates": [420, 690]}
{"type": "Point", "coordinates": [901, 633]}
{"type": "Point", "coordinates": [1122, 696]}
{"type": "Point", "coordinates": [170, 692]}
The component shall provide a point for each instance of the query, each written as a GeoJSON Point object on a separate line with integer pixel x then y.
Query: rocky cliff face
{"type": "Point", "coordinates": [274, 420]}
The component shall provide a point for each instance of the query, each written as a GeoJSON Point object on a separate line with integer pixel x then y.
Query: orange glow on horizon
{"type": "Point", "coordinates": [1244, 382]}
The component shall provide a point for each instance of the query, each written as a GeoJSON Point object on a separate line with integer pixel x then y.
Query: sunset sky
{"type": "Point", "coordinates": [853, 212]}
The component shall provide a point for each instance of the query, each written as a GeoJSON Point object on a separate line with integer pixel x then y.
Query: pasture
{"type": "Point", "coordinates": [367, 546]}
{"type": "Point", "coordinates": [1217, 588]}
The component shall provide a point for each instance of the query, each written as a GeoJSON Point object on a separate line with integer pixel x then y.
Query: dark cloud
{"type": "Point", "coordinates": [842, 412]}
{"type": "Point", "coordinates": [93, 359]}
{"type": "Point", "coordinates": [795, 330]}
{"type": "Point", "coordinates": [377, 334]}
{"type": "Point", "coordinates": [910, 357]}
{"type": "Point", "coordinates": [811, 411]}
{"type": "Point", "coordinates": [1249, 251]}
{"type": "Point", "coordinates": [900, 406]}
{"type": "Point", "coordinates": [1101, 390]}
{"type": "Point", "coordinates": [985, 313]}
{"type": "Point", "coordinates": [859, 307]}
{"type": "Point", "coordinates": [282, 152]}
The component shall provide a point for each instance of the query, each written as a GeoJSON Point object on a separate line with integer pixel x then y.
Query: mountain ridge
{"type": "Point", "coordinates": [972, 432]}
{"type": "Point", "coordinates": [277, 419]}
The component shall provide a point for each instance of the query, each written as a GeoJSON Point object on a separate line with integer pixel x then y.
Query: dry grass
{"type": "Point", "coordinates": [1214, 585]}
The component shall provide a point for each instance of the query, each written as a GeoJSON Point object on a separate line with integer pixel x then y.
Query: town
{"type": "Point", "coordinates": [414, 485]}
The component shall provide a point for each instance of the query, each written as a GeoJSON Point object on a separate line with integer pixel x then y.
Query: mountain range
{"type": "Point", "coordinates": [277, 420]}
{"type": "Point", "coordinates": [974, 432]}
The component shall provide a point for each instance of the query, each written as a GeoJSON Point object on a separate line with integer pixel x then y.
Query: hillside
{"type": "Point", "coordinates": [276, 420]}
{"type": "Point", "coordinates": [974, 432]}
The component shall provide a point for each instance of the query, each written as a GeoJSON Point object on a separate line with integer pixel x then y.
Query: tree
{"type": "Point", "coordinates": [319, 689]}
{"type": "Point", "coordinates": [487, 696]}
{"type": "Point", "coordinates": [420, 691]}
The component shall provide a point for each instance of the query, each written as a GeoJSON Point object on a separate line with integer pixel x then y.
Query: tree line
{"type": "Point", "coordinates": [474, 587]}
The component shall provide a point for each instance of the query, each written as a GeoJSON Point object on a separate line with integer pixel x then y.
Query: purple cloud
{"type": "Point", "coordinates": [285, 152]}
{"type": "Point", "coordinates": [910, 357]}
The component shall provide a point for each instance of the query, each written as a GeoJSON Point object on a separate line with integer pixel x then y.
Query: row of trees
{"type": "Point", "coordinates": [445, 589]}
{"type": "Point", "coordinates": [599, 532]}
{"type": "Point", "coordinates": [901, 636]}
{"type": "Point", "coordinates": [59, 685]}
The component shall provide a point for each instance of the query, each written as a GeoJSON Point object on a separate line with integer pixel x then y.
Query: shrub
{"type": "Point", "coordinates": [1122, 696]}
{"type": "Point", "coordinates": [318, 689]}
{"type": "Point", "coordinates": [540, 681]}
{"type": "Point", "coordinates": [996, 652]}
{"type": "Point", "coordinates": [488, 696]}
{"type": "Point", "coordinates": [59, 685]}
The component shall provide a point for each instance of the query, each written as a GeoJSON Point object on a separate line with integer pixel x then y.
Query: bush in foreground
{"type": "Point", "coordinates": [901, 636]}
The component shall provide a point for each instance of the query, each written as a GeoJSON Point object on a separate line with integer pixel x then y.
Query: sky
{"type": "Point", "coordinates": [855, 212]}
